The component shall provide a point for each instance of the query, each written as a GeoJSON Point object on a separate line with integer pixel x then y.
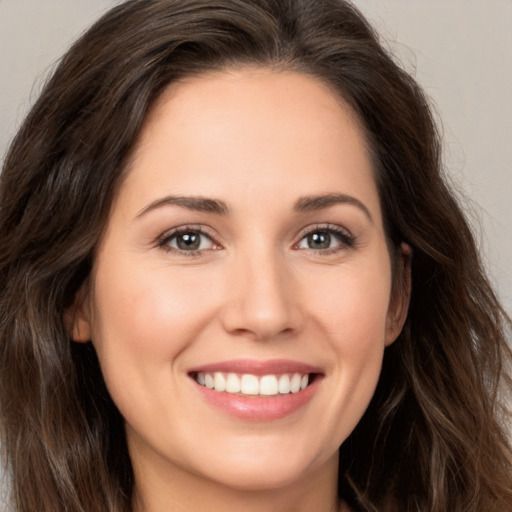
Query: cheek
{"type": "Point", "coordinates": [352, 304]}
{"type": "Point", "coordinates": [352, 313]}
{"type": "Point", "coordinates": [143, 319]}
{"type": "Point", "coordinates": [149, 310]}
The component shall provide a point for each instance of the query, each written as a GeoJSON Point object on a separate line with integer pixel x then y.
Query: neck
{"type": "Point", "coordinates": [181, 491]}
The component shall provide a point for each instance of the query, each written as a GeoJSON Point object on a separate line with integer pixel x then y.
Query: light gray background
{"type": "Point", "coordinates": [459, 50]}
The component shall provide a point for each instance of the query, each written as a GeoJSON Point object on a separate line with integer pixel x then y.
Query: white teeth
{"type": "Point", "coordinates": [295, 382]}
{"type": "Point", "coordinates": [248, 384]}
{"type": "Point", "coordinates": [233, 383]}
{"type": "Point", "coordinates": [268, 385]}
{"type": "Point", "coordinates": [284, 384]}
{"type": "Point", "coordinates": [219, 381]}
{"type": "Point", "coordinates": [208, 381]}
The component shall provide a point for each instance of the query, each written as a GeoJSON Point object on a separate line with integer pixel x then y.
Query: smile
{"type": "Point", "coordinates": [254, 385]}
{"type": "Point", "coordinates": [252, 390]}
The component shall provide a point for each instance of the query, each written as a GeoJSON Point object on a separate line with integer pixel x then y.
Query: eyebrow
{"type": "Point", "coordinates": [196, 203]}
{"type": "Point", "coordinates": [218, 207]}
{"type": "Point", "coordinates": [312, 203]}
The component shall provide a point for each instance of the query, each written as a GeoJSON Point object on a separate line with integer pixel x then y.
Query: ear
{"type": "Point", "coordinates": [78, 316]}
{"type": "Point", "coordinates": [400, 294]}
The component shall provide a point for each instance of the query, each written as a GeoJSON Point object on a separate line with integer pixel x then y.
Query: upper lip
{"type": "Point", "coordinates": [257, 367]}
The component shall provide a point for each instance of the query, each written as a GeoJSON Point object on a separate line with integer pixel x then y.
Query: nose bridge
{"type": "Point", "coordinates": [261, 301]}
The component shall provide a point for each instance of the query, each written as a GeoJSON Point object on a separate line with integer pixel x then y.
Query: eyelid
{"type": "Point", "coordinates": [346, 238]}
{"type": "Point", "coordinates": [200, 229]}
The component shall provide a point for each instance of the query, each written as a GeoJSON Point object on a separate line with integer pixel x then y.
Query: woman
{"type": "Point", "coordinates": [227, 250]}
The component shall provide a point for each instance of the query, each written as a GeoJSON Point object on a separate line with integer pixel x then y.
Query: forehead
{"type": "Point", "coordinates": [255, 96]}
{"type": "Point", "coordinates": [251, 129]}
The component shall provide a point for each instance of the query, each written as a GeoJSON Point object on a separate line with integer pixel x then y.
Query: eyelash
{"type": "Point", "coordinates": [165, 239]}
{"type": "Point", "coordinates": [346, 240]}
{"type": "Point", "coordinates": [344, 237]}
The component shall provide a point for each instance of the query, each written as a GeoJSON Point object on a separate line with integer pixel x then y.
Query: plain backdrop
{"type": "Point", "coordinates": [459, 50]}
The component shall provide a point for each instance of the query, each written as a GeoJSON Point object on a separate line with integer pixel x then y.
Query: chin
{"type": "Point", "coordinates": [245, 473]}
{"type": "Point", "coordinates": [259, 479]}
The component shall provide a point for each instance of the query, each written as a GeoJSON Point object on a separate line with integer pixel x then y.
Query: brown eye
{"type": "Point", "coordinates": [188, 240]}
{"type": "Point", "coordinates": [319, 240]}
{"type": "Point", "coordinates": [326, 239]}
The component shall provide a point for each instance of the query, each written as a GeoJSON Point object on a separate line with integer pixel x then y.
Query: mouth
{"type": "Point", "coordinates": [257, 390]}
{"type": "Point", "coordinates": [253, 385]}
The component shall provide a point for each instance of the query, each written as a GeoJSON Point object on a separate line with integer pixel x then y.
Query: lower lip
{"type": "Point", "coordinates": [259, 408]}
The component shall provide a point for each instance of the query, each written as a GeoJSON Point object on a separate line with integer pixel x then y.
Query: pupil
{"type": "Point", "coordinates": [319, 241]}
{"type": "Point", "coordinates": [188, 241]}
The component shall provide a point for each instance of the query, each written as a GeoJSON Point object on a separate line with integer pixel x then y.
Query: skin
{"type": "Point", "coordinates": [257, 140]}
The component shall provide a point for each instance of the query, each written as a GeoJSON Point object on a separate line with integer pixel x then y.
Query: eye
{"type": "Point", "coordinates": [327, 239]}
{"type": "Point", "coordinates": [191, 240]}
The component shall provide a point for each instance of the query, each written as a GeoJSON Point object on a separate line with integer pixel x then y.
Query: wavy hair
{"type": "Point", "coordinates": [434, 436]}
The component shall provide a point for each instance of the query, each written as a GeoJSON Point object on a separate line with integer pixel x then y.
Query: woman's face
{"type": "Point", "coordinates": [245, 250]}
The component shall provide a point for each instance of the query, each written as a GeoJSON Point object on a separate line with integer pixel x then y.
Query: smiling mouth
{"type": "Point", "coordinates": [254, 385]}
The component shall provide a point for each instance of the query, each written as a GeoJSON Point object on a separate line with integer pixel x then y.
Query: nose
{"type": "Point", "coordinates": [262, 302]}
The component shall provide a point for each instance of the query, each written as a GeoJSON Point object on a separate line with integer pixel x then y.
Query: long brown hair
{"type": "Point", "coordinates": [433, 437]}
